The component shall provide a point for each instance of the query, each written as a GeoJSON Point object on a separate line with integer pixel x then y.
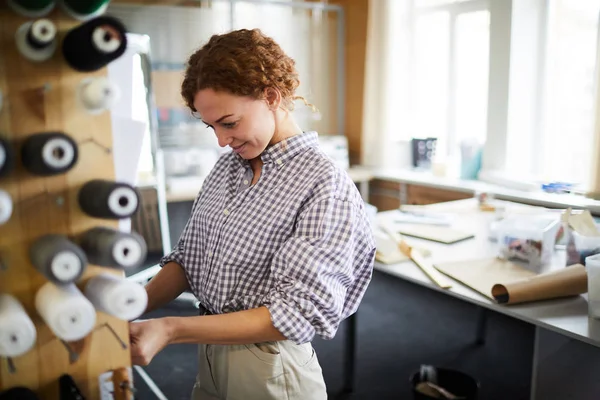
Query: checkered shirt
{"type": "Point", "coordinates": [298, 241]}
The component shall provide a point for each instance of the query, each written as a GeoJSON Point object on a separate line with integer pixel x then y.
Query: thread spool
{"type": "Point", "coordinates": [58, 259]}
{"type": "Point", "coordinates": [98, 94]}
{"type": "Point", "coordinates": [7, 157]}
{"type": "Point", "coordinates": [36, 40]}
{"type": "Point", "coordinates": [66, 311]}
{"type": "Point", "coordinates": [6, 206]}
{"type": "Point", "coordinates": [84, 10]}
{"type": "Point", "coordinates": [32, 8]}
{"type": "Point", "coordinates": [109, 247]}
{"type": "Point", "coordinates": [49, 153]}
{"type": "Point", "coordinates": [116, 296]}
{"type": "Point", "coordinates": [17, 331]}
{"type": "Point", "coordinates": [19, 393]}
{"type": "Point", "coordinates": [107, 199]}
{"type": "Point", "coordinates": [94, 44]}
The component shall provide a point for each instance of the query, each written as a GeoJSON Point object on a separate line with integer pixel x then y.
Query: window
{"type": "Point", "coordinates": [450, 69]}
{"type": "Point", "coordinates": [521, 76]}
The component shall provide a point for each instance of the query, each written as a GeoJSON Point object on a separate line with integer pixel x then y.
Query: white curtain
{"type": "Point", "coordinates": [387, 85]}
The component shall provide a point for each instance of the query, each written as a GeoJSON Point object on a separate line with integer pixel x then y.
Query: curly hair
{"type": "Point", "coordinates": [244, 63]}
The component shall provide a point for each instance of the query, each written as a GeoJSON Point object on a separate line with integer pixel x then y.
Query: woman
{"type": "Point", "coordinates": [278, 247]}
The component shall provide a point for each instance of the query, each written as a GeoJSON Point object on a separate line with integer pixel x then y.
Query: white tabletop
{"type": "Point", "coordinates": [568, 316]}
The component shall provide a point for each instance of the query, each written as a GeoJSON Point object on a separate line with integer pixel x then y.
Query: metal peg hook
{"type": "Point", "coordinates": [108, 150]}
{"type": "Point", "coordinates": [11, 365]}
{"type": "Point", "coordinates": [114, 333]}
{"type": "Point", "coordinates": [73, 356]}
{"type": "Point", "coordinates": [59, 199]}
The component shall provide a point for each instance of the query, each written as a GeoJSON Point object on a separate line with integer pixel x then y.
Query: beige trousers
{"type": "Point", "coordinates": [273, 370]}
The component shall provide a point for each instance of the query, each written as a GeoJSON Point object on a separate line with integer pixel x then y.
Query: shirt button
{"type": "Point", "coordinates": [245, 181]}
{"type": "Point", "coordinates": [279, 162]}
{"type": "Point", "coordinates": [210, 253]}
{"type": "Point", "coordinates": [226, 212]}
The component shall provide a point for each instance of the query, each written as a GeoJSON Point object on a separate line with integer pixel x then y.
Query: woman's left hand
{"type": "Point", "coordinates": [147, 338]}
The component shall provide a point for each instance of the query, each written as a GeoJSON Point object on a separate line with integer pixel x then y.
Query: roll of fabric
{"type": "Point", "coordinates": [17, 331]}
{"type": "Point", "coordinates": [66, 311]}
{"type": "Point", "coordinates": [49, 153]}
{"type": "Point", "coordinates": [84, 10]}
{"type": "Point", "coordinates": [32, 8]}
{"type": "Point", "coordinates": [119, 297]}
{"type": "Point", "coordinates": [58, 259]}
{"type": "Point", "coordinates": [7, 157]}
{"type": "Point", "coordinates": [36, 40]}
{"type": "Point", "coordinates": [109, 247]}
{"type": "Point", "coordinates": [107, 199]}
{"type": "Point", "coordinates": [6, 206]}
{"type": "Point", "coordinates": [94, 44]}
{"type": "Point", "coordinates": [19, 393]}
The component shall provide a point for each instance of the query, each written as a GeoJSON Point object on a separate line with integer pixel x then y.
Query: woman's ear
{"type": "Point", "coordinates": [273, 97]}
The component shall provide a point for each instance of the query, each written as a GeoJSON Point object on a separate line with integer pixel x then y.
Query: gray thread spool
{"type": "Point", "coordinates": [49, 153]}
{"type": "Point", "coordinates": [109, 247]}
{"type": "Point", "coordinates": [58, 259]}
{"type": "Point", "coordinates": [107, 199]}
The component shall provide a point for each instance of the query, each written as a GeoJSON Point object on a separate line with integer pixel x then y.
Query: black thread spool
{"type": "Point", "coordinates": [7, 157]}
{"type": "Point", "coordinates": [49, 153]}
{"type": "Point", "coordinates": [36, 40]}
{"type": "Point", "coordinates": [109, 247]}
{"type": "Point", "coordinates": [94, 44]}
{"type": "Point", "coordinates": [58, 259]}
{"type": "Point", "coordinates": [109, 200]}
{"type": "Point", "coordinates": [19, 393]}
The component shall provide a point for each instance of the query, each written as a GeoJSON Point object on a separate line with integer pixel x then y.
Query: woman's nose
{"type": "Point", "coordinates": [223, 138]}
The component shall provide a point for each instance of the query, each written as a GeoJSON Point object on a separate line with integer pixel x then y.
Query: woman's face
{"type": "Point", "coordinates": [245, 124]}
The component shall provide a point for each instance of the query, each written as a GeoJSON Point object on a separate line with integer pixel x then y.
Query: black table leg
{"type": "Point", "coordinates": [482, 317]}
{"type": "Point", "coordinates": [350, 355]}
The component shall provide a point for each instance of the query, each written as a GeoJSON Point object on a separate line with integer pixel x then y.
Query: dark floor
{"type": "Point", "coordinates": [400, 326]}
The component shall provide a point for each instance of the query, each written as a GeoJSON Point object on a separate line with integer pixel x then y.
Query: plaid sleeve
{"type": "Point", "coordinates": [322, 272]}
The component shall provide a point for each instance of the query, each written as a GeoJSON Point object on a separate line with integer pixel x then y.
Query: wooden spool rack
{"type": "Point", "coordinates": [41, 97]}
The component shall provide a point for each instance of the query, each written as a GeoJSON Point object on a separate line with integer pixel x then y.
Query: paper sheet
{"type": "Point", "coordinates": [482, 274]}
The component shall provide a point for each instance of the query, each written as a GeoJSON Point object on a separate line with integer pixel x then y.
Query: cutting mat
{"type": "Point", "coordinates": [482, 274]}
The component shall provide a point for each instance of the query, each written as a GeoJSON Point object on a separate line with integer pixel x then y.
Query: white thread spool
{"type": "Point", "coordinates": [6, 206]}
{"type": "Point", "coordinates": [119, 297]}
{"type": "Point", "coordinates": [66, 311]}
{"type": "Point", "coordinates": [36, 40]}
{"type": "Point", "coordinates": [98, 94]}
{"type": "Point", "coordinates": [122, 201]}
{"type": "Point", "coordinates": [17, 331]}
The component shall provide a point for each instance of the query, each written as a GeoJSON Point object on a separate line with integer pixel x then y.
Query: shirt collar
{"type": "Point", "coordinates": [281, 152]}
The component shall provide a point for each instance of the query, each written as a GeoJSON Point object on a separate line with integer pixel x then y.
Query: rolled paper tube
{"type": "Point", "coordinates": [66, 311]}
{"type": "Point", "coordinates": [58, 259]}
{"type": "Point", "coordinates": [84, 9]}
{"type": "Point", "coordinates": [109, 247]}
{"type": "Point", "coordinates": [98, 94]}
{"type": "Point", "coordinates": [18, 393]}
{"type": "Point", "coordinates": [107, 199]}
{"type": "Point", "coordinates": [7, 157]}
{"type": "Point", "coordinates": [32, 8]}
{"type": "Point", "coordinates": [569, 281]}
{"type": "Point", "coordinates": [6, 206]}
{"type": "Point", "coordinates": [49, 153]}
{"type": "Point", "coordinates": [36, 40]}
{"type": "Point", "coordinates": [119, 297]}
{"type": "Point", "coordinates": [17, 331]}
{"type": "Point", "coordinates": [94, 44]}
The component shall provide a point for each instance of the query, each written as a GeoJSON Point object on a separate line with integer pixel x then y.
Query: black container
{"type": "Point", "coordinates": [456, 382]}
